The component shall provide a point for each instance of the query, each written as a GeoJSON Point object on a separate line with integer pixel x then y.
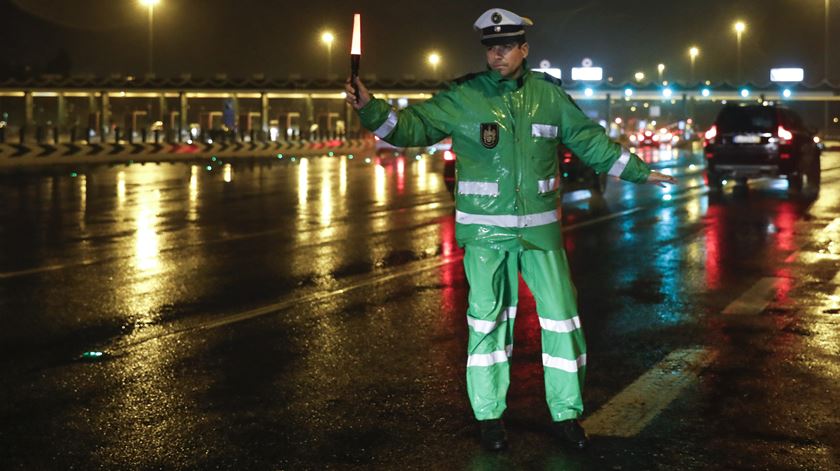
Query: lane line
{"type": "Point", "coordinates": [223, 319]}
{"type": "Point", "coordinates": [231, 238]}
{"type": "Point", "coordinates": [687, 192]}
{"type": "Point", "coordinates": [755, 299]}
{"type": "Point", "coordinates": [836, 279]}
{"type": "Point", "coordinates": [631, 410]}
{"type": "Point", "coordinates": [231, 318]}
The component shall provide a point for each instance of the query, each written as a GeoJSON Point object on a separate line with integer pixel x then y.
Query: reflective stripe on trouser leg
{"type": "Point", "coordinates": [490, 326]}
{"type": "Point", "coordinates": [564, 347]}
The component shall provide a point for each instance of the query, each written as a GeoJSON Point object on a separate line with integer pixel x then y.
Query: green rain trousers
{"type": "Point", "coordinates": [493, 277]}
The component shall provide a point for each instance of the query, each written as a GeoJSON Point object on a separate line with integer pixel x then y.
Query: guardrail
{"type": "Point", "coordinates": [35, 155]}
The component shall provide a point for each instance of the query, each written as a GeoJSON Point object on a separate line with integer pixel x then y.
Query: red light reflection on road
{"type": "Point", "coordinates": [714, 223]}
{"type": "Point", "coordinates": [449, 271]}
{"type": "Point", "coordinates": [400, 175]}
{"type": "Point", "coordinates": [784, 222]}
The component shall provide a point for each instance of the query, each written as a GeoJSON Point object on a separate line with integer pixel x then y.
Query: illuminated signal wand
{"type": "Point", "coordinates": [356, 52]}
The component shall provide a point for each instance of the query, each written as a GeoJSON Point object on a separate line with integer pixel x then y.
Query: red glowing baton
{"type": "Point", "coordinates": [356, 52]}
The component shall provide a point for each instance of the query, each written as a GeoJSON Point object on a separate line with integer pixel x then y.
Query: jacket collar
{"type": "Point", "coordinates": [509, 85]}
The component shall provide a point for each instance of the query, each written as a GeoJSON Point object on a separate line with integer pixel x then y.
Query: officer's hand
{"type": "Point", "coordinates": [364, 95]}
{"type": "Point", "coordinates": [661, 179]}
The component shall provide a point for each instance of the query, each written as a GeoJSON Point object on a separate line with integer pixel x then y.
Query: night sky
{"type": "Point", "coordinates": [279, 38]}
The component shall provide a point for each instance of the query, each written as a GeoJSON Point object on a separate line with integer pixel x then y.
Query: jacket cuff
{"type": "Point", "coordinates": [636, 171]}
{"type": "Point", "coordinates": [630, 167]}
{"type": "Point", "coordinates": [375, 117]}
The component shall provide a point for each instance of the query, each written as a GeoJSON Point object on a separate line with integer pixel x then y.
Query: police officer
{"type": "Point", "coordinates": [506, 123]}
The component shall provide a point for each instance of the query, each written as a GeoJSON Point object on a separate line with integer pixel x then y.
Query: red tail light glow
{"type": "Point", "coordinates": [448, 155]}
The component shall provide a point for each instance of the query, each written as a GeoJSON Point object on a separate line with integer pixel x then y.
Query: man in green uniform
{"type": "Point", "coordinates": [506, 124]}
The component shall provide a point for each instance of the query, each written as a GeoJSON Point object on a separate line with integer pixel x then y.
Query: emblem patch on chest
{"type": "Point", "coordinates": [489, 134]}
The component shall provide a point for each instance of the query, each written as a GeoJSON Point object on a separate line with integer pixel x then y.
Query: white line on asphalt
{"type": "Point", "coordinates": [836, 279]}
{"type": "Point", "coordinates": [755, 299]}
{"type": "Point", "coordinates": [629, 412]}
{"type": "Point", "coordinates": [411, 269]}
{"type": "Point", "coordinates": [55, 267]}
{"type": "Point", "coordinates": [224, 239]}
{"type": "Point", "coordinates": [226, 319]}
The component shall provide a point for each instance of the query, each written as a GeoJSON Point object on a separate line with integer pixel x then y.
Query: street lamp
{"type": "Point", "coordinates": [328, 38]}
{"type": "Point", "coordinates": [693, 52]}
{"type": "Point", "coordinates": [150, 4]}
{"type": "Point", "coordinates": [825, 51]}
{"type": "Point", "coordinates": [739, 29]}
{"type": "Point", "coordinates": [434, 60]}
{"type": "Point", "coordinates": [639, 76]}
{"type": "Point", "coordinates": [660, 68]}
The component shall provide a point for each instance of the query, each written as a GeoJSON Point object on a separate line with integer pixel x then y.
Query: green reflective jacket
{"type": "Point", "coordinates": [505, 135]}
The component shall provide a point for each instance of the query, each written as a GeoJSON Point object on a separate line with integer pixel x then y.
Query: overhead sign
{"type": "Point", "coordinates": [791, 74]}
{"type": "Point", "coordinates": [592, 74]}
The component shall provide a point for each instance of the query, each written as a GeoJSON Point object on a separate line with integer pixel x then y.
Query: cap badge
{"type": "Point", "coordinates": [496, 18]}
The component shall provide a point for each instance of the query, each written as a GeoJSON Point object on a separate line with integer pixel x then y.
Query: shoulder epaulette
{"type": "Point", "coordinates": [465, 78]}
{"type": "Point", "coordinates": [550, 78]}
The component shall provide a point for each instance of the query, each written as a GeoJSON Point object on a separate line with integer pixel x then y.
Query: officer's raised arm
{"type": "Point", "coordinates": [421, 124]}
{"type": "Point", "coordinates": [589, 141]}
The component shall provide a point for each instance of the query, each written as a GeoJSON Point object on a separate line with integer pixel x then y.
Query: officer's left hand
{"type": "Point", "coordinates": [658, 178]}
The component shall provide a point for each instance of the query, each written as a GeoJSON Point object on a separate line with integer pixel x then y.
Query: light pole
{"type": "Point", "coordinates": [150, 4]}
{"type": "Point", "coordinates": [739, 29]}
{"type": "Point", "coordinates": [693, 52]}
{"type": "Point", "coordinates": [825, 40]}
{"type": "Point", "coordinates": [825, 51]}
{"type": "Point", "coordinates": [434, 60]}
{"type": "Point", "coordinates": [660, 68]}
{"type": "Point", "coordinates": [328, 38]}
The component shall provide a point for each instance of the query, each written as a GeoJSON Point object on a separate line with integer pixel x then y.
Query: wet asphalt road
{"type": "Point", "coordinates": [310, 315]}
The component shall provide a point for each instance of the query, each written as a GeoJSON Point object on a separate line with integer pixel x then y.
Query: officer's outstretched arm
{"type": "Point", "coordinates": [588, 140]}
{"type": "Point", "coordinates": [422, 124]}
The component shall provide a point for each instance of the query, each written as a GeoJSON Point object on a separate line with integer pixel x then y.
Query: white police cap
{"type": "Point", "coordinates": [500, 26]}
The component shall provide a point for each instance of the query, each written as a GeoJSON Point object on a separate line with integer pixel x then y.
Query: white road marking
{"type": "Point", "coordinates": [836, 279]}
{"type": "Point", "coordinates": [755, 299]}
{"type": "Point", "coordinates": [233, 317]}
{"type": "Point", "coordinates": [631, 410]}
{"type": "Point", "coordinates": [55, 267]}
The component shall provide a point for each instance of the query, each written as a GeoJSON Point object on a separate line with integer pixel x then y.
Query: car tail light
{"type": "Point", "coordinates": [785, 136]}
{"type": "Point", "coordinates": [448, 155]}
{"type": "Point", "coordinates": [711, 134]}
{"type": "Point", "coordinates": [784, 155]}
{"type": "Point", "coordinates": [709, 155]}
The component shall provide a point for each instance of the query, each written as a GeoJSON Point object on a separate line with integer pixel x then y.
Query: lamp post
{"type": "Point", "coordinates": [693, 52]}
{"type": "Point", "coordinates": [740, 27]}
{"type": "Point", "coordinates": [826, 73]}
{"type": "Point", "coordinates": [327, 38]}
{"type": "Point", "coordinates": [660, 68]}
{"type": "Point", "coordinates": [434, 60]}
{"type": "Point", "coordinates": [825, 40]}
{"type": "Point", "coordinates": [150, 4]}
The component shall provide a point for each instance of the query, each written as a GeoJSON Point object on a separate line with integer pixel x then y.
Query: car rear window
{"type": "Point", "coordinates": [746, 119]}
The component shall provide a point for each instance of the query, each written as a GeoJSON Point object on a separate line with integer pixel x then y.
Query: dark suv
{"type": "Point", "coordinates": [753, 141]}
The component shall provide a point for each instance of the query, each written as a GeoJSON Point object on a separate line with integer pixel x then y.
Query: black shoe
{"type": "Point", "coordinates": [493, 436]}
{"type": "Point", "coordinates": [571, 434]}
